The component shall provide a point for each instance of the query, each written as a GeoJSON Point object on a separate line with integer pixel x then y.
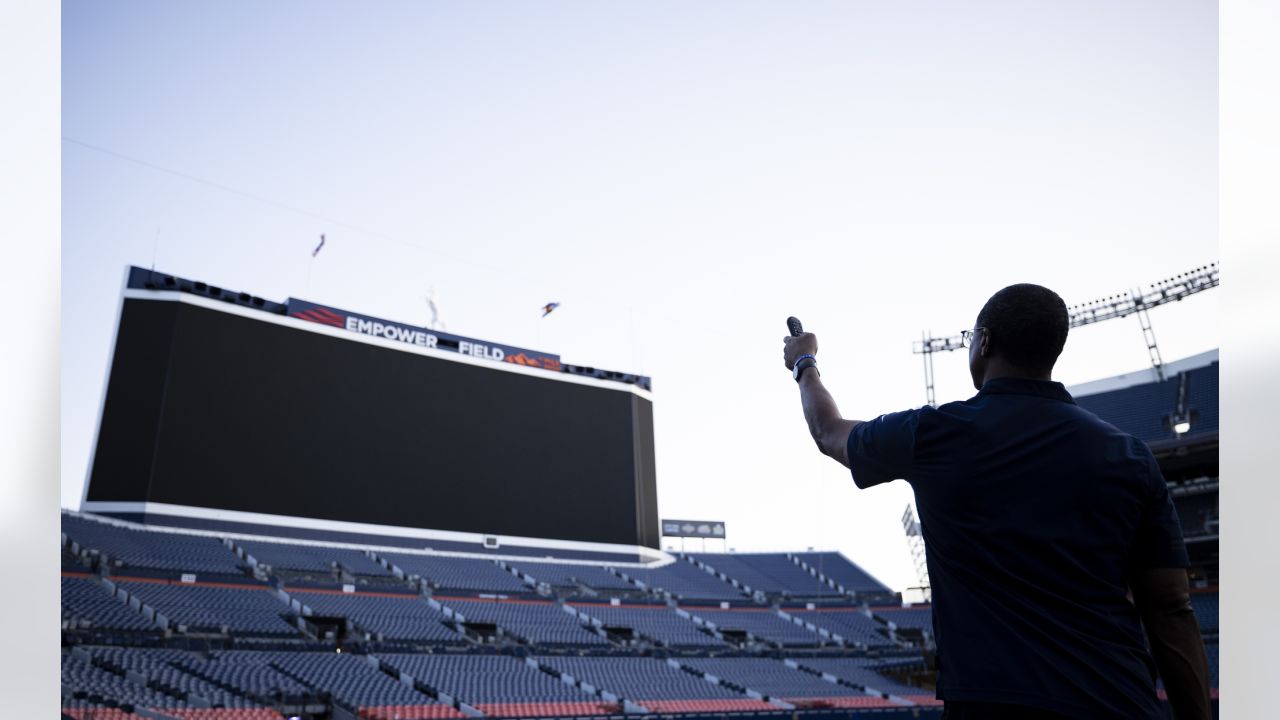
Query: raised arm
{"type": "Point", "coordinates": [1163, 600]}
{"type": "Point", "coordinates": [829, 430]}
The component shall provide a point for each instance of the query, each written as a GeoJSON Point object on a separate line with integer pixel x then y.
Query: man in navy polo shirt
{"type": "Point", "coordinates": [1040, 522]}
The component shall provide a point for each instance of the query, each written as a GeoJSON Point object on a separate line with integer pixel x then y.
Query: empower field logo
{"type": "Point", "coordinates": [321, 315]}
{"type": "Point", "coordinates": [419, 336]}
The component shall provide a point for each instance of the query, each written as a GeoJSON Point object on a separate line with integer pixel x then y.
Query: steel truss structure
{"type": "Point", "coordinates": [1137, 301]}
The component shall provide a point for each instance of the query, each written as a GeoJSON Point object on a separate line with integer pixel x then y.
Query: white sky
{"type": "Point", "coordinates": [682, 177]}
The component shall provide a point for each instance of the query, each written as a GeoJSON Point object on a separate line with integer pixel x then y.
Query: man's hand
{"type": "Point", "coordinates": [794, 348]}
{"type": "Point", "coordinates": [1162, 597]}
{"type": "Point", "coordinates": [829, 430]}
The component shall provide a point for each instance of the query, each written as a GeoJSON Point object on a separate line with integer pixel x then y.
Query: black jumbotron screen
{"type": "Point", "coordinates": [212, 409]}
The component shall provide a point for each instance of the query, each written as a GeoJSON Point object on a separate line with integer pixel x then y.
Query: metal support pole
{"type": "Point", "coordinates": [915, 542]}
{"type": "Point", "coordinates": [928, 370]}
{"type": "Point", "coordinates": [1153, 350]}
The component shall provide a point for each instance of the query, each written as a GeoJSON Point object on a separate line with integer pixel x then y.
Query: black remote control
{"type": "Point", "coordinates": [793, 324]}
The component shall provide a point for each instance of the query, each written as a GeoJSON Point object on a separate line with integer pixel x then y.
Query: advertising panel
{"type": "Point", "coordinates": [419, 336]}
{"type": "Point", "coordinates": [693, 528]}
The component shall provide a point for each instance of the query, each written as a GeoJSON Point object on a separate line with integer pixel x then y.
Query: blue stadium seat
{"type": "Point", "coordinates": [240, 609]}
{"type": "Point", "coordinates": [86, 604]}
{"type": "Point", "coordinates": [653, 684]}
{"type": "Point", "coordinates": [389, 616]}
{"type": "Point", "coordinates": [1138, 410]}
{"type": "Point", "coordinates": [862, 673]}
{"type": "Point", "coordinates": [761, 623]}
{"type": "Point", "coordinates": [162, 669]}
{"type": "Point", "coordinates": [311, 558]}
{"type": "Point", "coordinates": [774, 679]}
{"type": "Point", "coordinates": [685, 581]}
{"type": "Point", "coordinates": [915, 618]}
{"type": "Point", "coordinates": [656, 623]}
{"type": "Point", "coordinates": [1203, 397]}
{"type": "Point", "coordinates": [358, 685]}
{"type": "Point", "coordinates": [850, 623]}
{"type": "Point", "coordinates": [770, 573]}
{"type": "Point", "coordinates": [844, 572]}
{"type": "Point", "coordinates": [154, 550]}
{"type": "Point", "coordinates": [561, 575]}
{"type": "Point", "coordinates": [498, 686]}
{"type": "Point", "coordinates": [534, 621]}
{"type": "Point", "coordinates": [458, 573]}
{"type": "Point", "coordinates": [83, 681]}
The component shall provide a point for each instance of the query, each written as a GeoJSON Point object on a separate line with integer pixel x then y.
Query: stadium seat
{"type": "Point", "coordinates": [534, 621]}
{"type": "Point", "coordinates": [770, 573]}
{"type": "Point", "coordinates": [656, 623]}
{"type": "Point", "coordinates": [390, 616]}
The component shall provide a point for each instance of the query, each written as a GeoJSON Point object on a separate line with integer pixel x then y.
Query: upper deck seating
{"type": "Point", "coordinates": [156, 550]}
{"type": "Point", "coordinates": [844, 571]}
{"type": "Point", "coordinates": [239, 609]}
{"type": "Point", "coordinates": [392, 616]}
{"type": "Point", "coordinates": [848, 622]}
{"type": "Point", "coordinates": [456, 573]}
{"type": "Point", "coordinates": [918, 618]}
{"type": "Point", "coordinates": [1202, 390]}
{"type": "Point", "coordinates": [537, 622]}
{"type": "Point", "coordinates": [653, 622]}
{"type": "Point", "coordinates": [685, 581]}
{"type": "Point", "coordinates": [86, 604]}
{"type": "Point", "coordinates": [311, 558]}
{"type": "Point", "coordinates": [731, 566]}
{"type": "Point", "coordinates": [570, 576]}
{"type": "Point", "coordinates": [1138, 410]}
{"type": "Point", "coordinates": [762, 623]}
{"type": "Point", "coordinates": [772, 573]}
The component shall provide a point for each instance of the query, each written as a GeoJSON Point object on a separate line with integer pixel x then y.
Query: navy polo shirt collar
{"type": "Point", "coordinates": [1022, 386]}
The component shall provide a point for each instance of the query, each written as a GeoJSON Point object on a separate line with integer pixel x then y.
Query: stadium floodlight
{"type": "Point", "coordinates": [1136, 301]}
{"type": "Point", "coordinates": [1165, 291]}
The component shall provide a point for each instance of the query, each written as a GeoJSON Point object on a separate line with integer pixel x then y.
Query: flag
{"type": "Point", "coordinates": [317, 250]}
{"type": "Point", "coordinates": [546, 309]}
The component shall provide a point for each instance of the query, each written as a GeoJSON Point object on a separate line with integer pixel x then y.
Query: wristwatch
{"type": "Point", "coordinates": [804, 363]}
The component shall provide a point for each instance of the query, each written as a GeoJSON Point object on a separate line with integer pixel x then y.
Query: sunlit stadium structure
{"type": "Point", "coordinates": [193, 592]}
{"type": "Point", "coordinates": [1137, 301]}
{"type": "Point", "coordinates": [1177, 416]}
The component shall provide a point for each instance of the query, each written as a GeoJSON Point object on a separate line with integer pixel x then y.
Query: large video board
{"type": "Point", "coordinates": [239, 410]}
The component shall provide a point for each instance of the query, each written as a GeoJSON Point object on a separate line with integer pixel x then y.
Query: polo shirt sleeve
{"type": "Point", "coordinates": [883, 449]}
{"type": "Point", "coordinates": [1159, 543]}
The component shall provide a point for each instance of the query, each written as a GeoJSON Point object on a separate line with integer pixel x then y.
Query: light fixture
{"type": "Point", "coordinates": [1182, 427]}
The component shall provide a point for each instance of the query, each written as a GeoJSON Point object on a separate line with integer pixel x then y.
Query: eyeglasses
{"type": "Point", "coordinates": [966, 336]}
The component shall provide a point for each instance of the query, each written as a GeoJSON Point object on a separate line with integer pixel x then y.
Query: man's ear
{"type": "Point", "coordinates": [984, 345]}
